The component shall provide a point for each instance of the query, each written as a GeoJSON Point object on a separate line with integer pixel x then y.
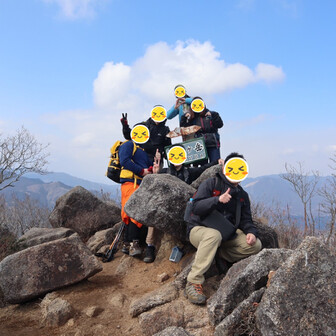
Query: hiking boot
{"type": "Point", "coordinates": [125, 248]}
{"type": "Point", "coordinates": [150, 254]}
{"type": "Point", "coordinates": [194, 293]}
{"type": "Point", "coordinates": [135, 248]}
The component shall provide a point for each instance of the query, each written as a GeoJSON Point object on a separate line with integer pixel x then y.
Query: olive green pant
{"type": "Point", "coordinates": [207, 241]}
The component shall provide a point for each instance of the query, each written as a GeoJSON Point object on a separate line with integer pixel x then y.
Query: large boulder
{"type": "Point", "coordinates": [36, 236]}
{"type": "Point", "coordinates": [160, 202]}
{"type": "Point", "coordinates": [43, 268]}
{"type": "Point", "coordinates": [301, 298]}
{"type": "Point", "coordinates": [208, 173]}
{"type": "Point", "coordinates": [242, 279]}
{"type": "Point", "coordinates": [84, 213]}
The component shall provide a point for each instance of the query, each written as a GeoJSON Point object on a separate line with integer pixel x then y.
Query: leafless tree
{"type": "Point", "coordinates": [20, 215]}
{"type": "Point", "coordinates": [20, 154]}
{"type": "Point", "coordinates": [328, 194]}
{"type": "Point", "coordinates": [304, 184]}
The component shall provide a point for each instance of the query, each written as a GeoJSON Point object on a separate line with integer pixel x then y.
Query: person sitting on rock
{"type": "Point", "coordinates": [220, 194]}
{"type": "Point", "coordinates": [183, 172]}
{"type": "Point", "coordinates": [135, 165]}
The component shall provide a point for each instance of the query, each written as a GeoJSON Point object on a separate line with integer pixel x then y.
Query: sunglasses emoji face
{"type": "Point", "coordinates": [180, 91]}
{"type": "Point", "coordinates": [197, 105]}
{"type": "Point", "coordinates": [140, 134]}
{"type": "Point", "coordinates": [236, 170]}
{"type": "Point", "coordinates": [177, 155]}
{"type": "Point", "coordinates": [158, 113]}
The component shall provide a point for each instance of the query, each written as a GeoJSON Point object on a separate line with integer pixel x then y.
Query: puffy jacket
{"type": "Point", "coordinates": [209, 126]}
{"type": "Point", "coordinates": [157, 137]}
{"type": "Point", "coordinates": [187, 174]}
{"type": "Point", "coordinates": [207, 199]}
{"type": "Point", "coordinates": [132, 164]}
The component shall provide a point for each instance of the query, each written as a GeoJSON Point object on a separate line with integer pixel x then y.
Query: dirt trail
{"type": "Point", "coordinates": [106, 290]}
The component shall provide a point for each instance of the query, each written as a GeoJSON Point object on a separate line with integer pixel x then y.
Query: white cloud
{"type": "Point", "coordinates": [83, 138]}
{"type": "Point", "coordinates": [76, 9]}
{"type": "Point", "coordinates": [196, 65]}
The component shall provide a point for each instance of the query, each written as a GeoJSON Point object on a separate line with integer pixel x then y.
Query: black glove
{"type": "Point", "coordinates": [123, 120]}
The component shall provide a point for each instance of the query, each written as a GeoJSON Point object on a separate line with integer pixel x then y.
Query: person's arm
{"type": "Point", "coordinates": [217, 121]}
{"type": "Point", "coordinates": [125, 155]}
{"type": "Point", "coordinates": [204, 202]}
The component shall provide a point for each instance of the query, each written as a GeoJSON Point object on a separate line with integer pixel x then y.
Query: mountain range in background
{"type": "Point", "coordinates": [270, 190]}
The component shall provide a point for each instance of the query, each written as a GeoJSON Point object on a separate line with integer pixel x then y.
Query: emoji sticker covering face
{"type": "Point", "coordinates": [197, 105]}
{"type": "Point", "coordinates": [158, 113]}
{"type": "Point", "coordinates": [140, 134]}
{"type": "Point", "coordinates": [177, 155]}
{"type": "Point", "coordinates": [236, 169]}
{"type": "Point", "coordinates": [180, 91]}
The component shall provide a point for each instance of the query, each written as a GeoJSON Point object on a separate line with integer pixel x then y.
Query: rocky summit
{"type": "Point", "coordinates": [55, 285]}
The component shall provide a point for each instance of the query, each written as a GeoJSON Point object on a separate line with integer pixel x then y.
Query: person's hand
{"type": "Point", "coordinates": [208, 114]}
{"type": "Point", "coordinates": [146, 172]}
{"type": "Point", "coordinates": [179, 102]}
{"type": "Point", "coordinates": [157, 155]}
{"type": "Point", "coordinates": [221, 162]}
{"type": "Point", "coordinates": [226, 197]}
{"type": "Point", "coordinates": [156, 164]}
{"type": "Point", "coordinates": [188, 115]}
{"type": "Point", "coordinates": [251, 239]}
{"type": "Point", "coordinates": [123, 119]}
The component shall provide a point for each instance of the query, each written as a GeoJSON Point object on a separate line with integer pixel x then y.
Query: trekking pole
{"type": "Point", "coordinates": [108, 256]}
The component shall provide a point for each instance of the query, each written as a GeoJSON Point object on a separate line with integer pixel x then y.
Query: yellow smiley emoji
{"type": "Point", "coordinates": [236, 169]}
{"type": "Point", "coordinates": [140, 134]}
{"type": "Point", "coordinates": [177, 155]}
{"type": "Point", "coordinates": [180, 91]}
{"type": "Point", "coordinates": [158, 113]}
{"type": "Point", "coordinates": [197, 105]}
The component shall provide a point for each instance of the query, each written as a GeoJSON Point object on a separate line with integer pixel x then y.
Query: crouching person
{"type": "Point", "coordinates": [220, 193]}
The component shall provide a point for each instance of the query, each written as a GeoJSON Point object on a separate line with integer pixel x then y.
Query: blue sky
{"type": "Point", "coordinates": [69, 68]}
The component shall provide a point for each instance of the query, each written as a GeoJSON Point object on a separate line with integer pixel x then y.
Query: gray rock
{"type": "Point", "coordinates": [173, 331]}
{"type": "Point", "coordinates": [103, 237]}
{"type": "Point", "coordinates": [151, 300]}
{"type": "Point", "coordinates": [301, 298]}
{"type": "Point", "coordinates": [84, 213]}
{"type": "Point", "coordinates": [56, 311]}
{"type": "Point", "coordinates": [93, 311]}
{"type": "Point", "coordinates": [242, 320]}
{"type": "Point", "coordinates": [161, 318]}
{"type": "Point", "coordinates": [242, 279]}
{"type": "Point", "coordinates": [42, 268]}
{"type": "Point", "coordinates": [208, 173]}
{"type": "Point", "coordinates": [36, 236]}
{"type": "Point", "coordinates": [160, 202]}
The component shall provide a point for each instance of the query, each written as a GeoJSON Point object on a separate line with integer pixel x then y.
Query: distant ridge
{"type": "Point", "coordinates": [270, 190]}
{"type": "Point", "coordinates": [48, 188]}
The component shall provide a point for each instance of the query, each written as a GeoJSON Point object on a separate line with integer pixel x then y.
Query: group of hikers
{"type": "Point", "coordinates": [143, 154]}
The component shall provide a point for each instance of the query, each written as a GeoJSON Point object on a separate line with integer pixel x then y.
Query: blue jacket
{"type": "Point", "coordinates": [173, 112]}
{"type": "Point", "coordinates": [132, 164]}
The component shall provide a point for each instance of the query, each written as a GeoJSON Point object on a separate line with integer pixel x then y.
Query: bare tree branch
{"type": "Point", "coordinates": [305, 187]}
{"type": "Point", "coordinates": [20, 154]}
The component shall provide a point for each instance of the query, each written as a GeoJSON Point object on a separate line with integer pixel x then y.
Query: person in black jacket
{"type": "Point", "coordinates": [210, 122]}
{"type": "Point", "coordinates": [218, 193]}
{"type": "Point", "coordinates": [157, 140]}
